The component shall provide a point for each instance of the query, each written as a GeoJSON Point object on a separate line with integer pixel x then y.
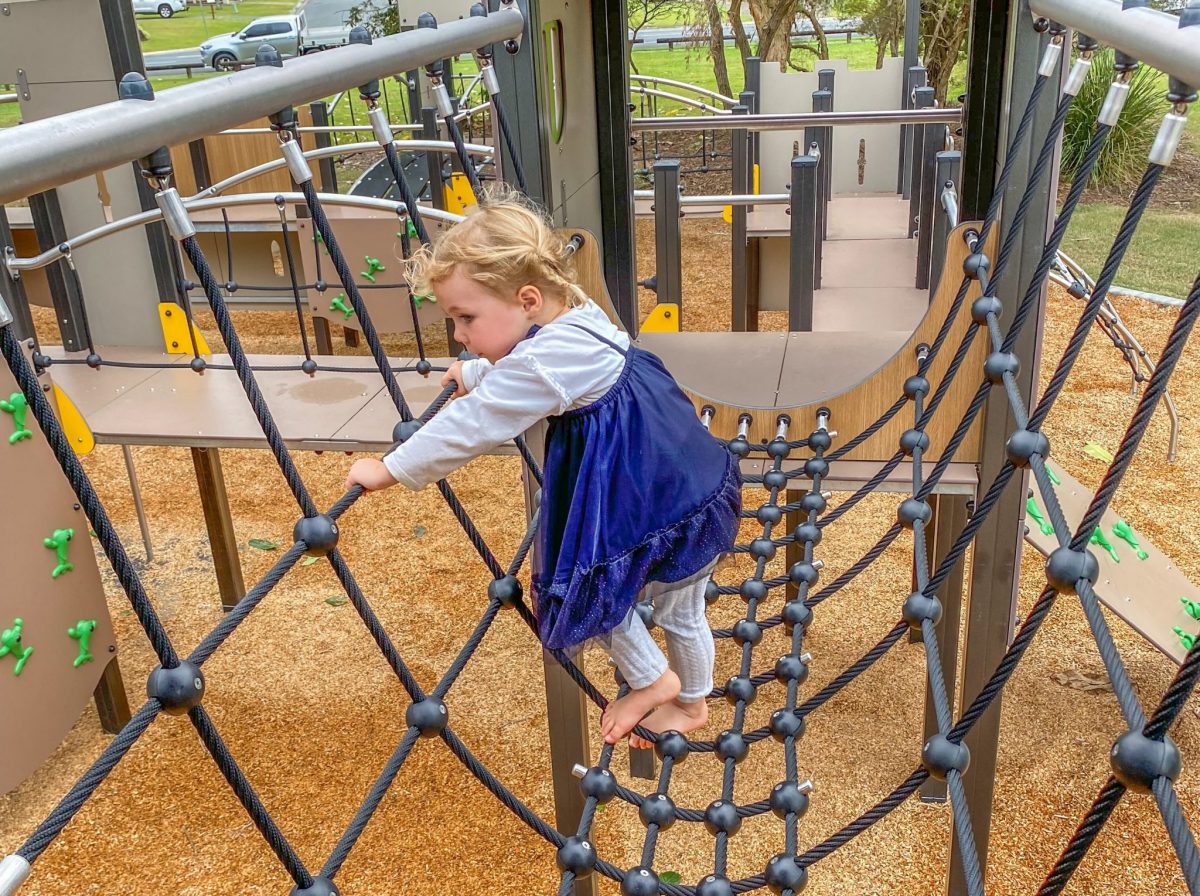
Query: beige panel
{"type": "Point", "coordinates": [445, 10]}
{"type": "Point", "coordinates": [92, 390]}
{"type": "Point", "coordinates": [41, 705]}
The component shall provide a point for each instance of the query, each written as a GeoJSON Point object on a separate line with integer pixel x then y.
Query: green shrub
{"type": "Point", "coordinates": [1123, 158]}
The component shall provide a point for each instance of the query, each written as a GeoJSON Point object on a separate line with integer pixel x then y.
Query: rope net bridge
{"type": "Point", "coordinates": [1144, 759]}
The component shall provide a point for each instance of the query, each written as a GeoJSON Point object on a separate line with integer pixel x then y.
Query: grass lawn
{"type": "Point", "coordinates": [192, 28]}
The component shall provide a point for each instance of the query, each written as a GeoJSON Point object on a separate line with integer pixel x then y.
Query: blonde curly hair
{"type": "Point", "coordinates": [505, 242]}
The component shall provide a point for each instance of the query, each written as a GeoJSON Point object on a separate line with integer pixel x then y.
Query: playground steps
{"type": "Point", "coordinates": [1146, 593]}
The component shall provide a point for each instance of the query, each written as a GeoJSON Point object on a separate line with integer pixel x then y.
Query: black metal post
{"type": "Point", "coordinates": [914, 77]}
{"type": "Point", "coordinates": [802, 251]}
{"type": "Point", "coordinates": [934, 142]}
{"type": "Point", "coordinates": [667, 237]}
{"type": "Point", "coordinates": [64, 291]}
{"type": "Point", "coordinates": [326, 171]}
{"type": "Point", "coordinates": [945, 176]}
{"type": "Point", "coordinates": [823, 102]}
{"type": "Point", "coordinates": [13, 290]}
{"type": "Point", "coordinates": [740, 142]}
{"type": "Point", "coordinates": [924, 100]}
{"type": "Point", "coordinates": [753, 67]}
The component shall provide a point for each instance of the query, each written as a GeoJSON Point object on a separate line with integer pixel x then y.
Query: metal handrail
{"type": "Point", "coordinates": [650, 79]}
{"type": "Point", "coordinates": [675, 97]}
{"type": "Point", "coordinates": [732, 199]}
{"type": "Point", "coordinates": [796, 120]}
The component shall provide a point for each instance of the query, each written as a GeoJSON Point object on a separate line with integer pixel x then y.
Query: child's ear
{"type": "Point", "coordinates": [531, 298]}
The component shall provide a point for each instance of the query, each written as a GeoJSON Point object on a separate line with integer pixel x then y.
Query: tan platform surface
{"type": "Point", "coordinates": [868, 216]}
{"type": "Point", "coordinates": [738, 369]}
{"type": "Point", "coordinates": [882, 308]}
{"type": "Point", "coordinates": [861, 263]}
{"type": "Point", "coordinates": [1144, 593]}
{"type": "Point", "coordinates": [821, 365]}
{"type": "Point", "coordinates": [371, 426]}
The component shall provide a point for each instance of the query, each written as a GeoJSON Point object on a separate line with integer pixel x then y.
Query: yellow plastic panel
{"type": "Point", "coordinates": [663, 319]}
{"type": "Point", "coordinates": [459, 195]}
{"type": "Point", "coordinates": [79, 434]}
{"type": "Point", "coordinates": [175, 331]}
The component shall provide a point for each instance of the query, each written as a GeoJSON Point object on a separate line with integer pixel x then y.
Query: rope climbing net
{"type": "Point", "coordinates": [1144, 759]}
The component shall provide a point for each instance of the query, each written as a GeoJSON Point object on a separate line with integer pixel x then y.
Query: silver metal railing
{"type": "Point", "coordinates": [796, 120]}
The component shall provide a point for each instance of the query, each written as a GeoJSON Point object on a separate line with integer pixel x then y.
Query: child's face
{"type": "Point", "coordinates": [486, 324]}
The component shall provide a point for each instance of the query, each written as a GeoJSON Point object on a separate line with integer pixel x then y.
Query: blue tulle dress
{"type": "Point", "coordinates": [635, 490]}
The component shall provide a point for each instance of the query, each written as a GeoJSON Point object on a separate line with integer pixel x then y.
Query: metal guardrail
{"type": "Point", "coordinates": [793, 121]}
{"type": "Point", "coordinates": [670, 82]}
{"type": "Point", "coordinates": [8, 98]}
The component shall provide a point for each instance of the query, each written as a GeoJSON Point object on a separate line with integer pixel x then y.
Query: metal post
{"type": "Point", "coordinates": [136, 492]}
{"type": "Point", "coordinates": [667, 237]}
{"type": "Point", "coordinates": [64, 290]}
{"type": "Point", "coordinates": [210, 479]}
{"type": "Point", "coordinates": [945, 176]}
{"type": "Point", "coordinates": [741, 185]}
{"type": "Point", "coordinates": [924, 100]}
{"type": "Point", "coordinates": [753, 67]}
{"type": "Point", "coordinates": [13, 290]}
{"type": "Point", "coordinates": [326, 172]}
{"type": "Point", "coordinates": [914, 78]}
{"type": "Point", "coordinates": [996, 555]}
{"type": "Point", "coordinates": [431, 130]}
{"type": "Point", "coordinates": [802, 254]}
{"type": "Point", "coordinates": [112, 706]}
{"type": "Point", "coordinates": [927, 200]}
{"type": "Point", "coordinates": [823, 102]}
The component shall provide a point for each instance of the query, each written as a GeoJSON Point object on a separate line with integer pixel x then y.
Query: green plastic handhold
{"type": "Point", "coordinates": [410, 230]}
{"type": "Point", "coordinates": [1035, 514]}
{"type": "Point", "coordinates": [60, 543]}
{"type": "Point", "coordinates": [10, 643]}
{"type": "Point", "coordinates": [1190, 607]}
{"type": "Point", "coordinates": [320, 239]}
{"type": "Point", "coordinates": [1124, 531]}
{"type": "Point", "coordinates": [1098, 538]}
{"type": "Point", "coordinates": [19, 408]}
{"type": "Point", "coordinates": [420, 300]}
{"type": "Point", "coordinates": [1188, 641]}
{"type": "Point", "coordinates": [81, 631]}
{"type": "Point", "coordinates": [1053, 478]}
{"type": "Point", "coordinates": [339, 304]}
{"type": "Point", "coordinates": [373, 267]}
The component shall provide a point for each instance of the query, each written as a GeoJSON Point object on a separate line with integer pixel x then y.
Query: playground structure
{"type": "Point", "coordinates": [937, 429]}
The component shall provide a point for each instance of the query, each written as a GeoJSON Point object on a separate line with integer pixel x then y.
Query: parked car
{"type": "Point", "coordinates": [161, 8]}
{"type": "Point", "coordinates": [289, 35]}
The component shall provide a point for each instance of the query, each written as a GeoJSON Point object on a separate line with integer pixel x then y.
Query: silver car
{"type": "Point", "coordinates": [162, 8]}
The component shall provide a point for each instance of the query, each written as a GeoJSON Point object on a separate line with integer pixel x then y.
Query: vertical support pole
{"type": "Point", "coordinates": [794, 551]}
{"type": "Point", "coordinates": [112, 705]}
{"type": "Point", "coordinates": [995, 567]}
{"type": "Point", "coordinates": [924, 100]}
{"type": "Point", "coordinates": [667, 238]}
{"type": "Point", "coordinates": [210, 479]}
{"type": "Point", "coordinates": [946, 168]}
{"type": "Point", "coordinates": [753, 66]}
{"type": "Point", "coordinates": [13, 289]}
{"type": "Point", "coordinates": [949, 519]}
{"type": "Point", "coordinates": [326, 173]}
{"type": "Point", "coordinates": [914, 78]}
{"type": "Point", "coordinates": [802, 251]}
{"type": "Point", "coordinates": [823, 102]}
{"type": "Point", "coordinates": [927, 209]}
{"type": "Point", "coordinates": [64, 291]}
{"type": "Point", "coordinates": [431, 130]}
{"type": "Point", "coordinates": [740, 142]}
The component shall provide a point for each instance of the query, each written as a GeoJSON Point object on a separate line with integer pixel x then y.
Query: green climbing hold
{"type": "Point", "coordinates": [1053, 477]}
{"type": "Point", "coordinates": [420, 300]}
{"type": "Point", "coordinates": [410, 230]}
{"type": "Point", "coordinates": [10, 643]}
{"type": "Point", "coordinates": [19, 408]}
{"type": "Point", "coordinates": [320, 239]}
{"type": "Point", "coordinates": [373, 267]}
{"type": "Point", "coordinates": [1188, 641]}
{"type": "Point", "coordinates": [1035, 514]}
{"type": "Point", "coordinates": [60, 543]}
{"type": "Point", "coordinates": [1098, 538]}
{"type": "Point", "coordinates": [339, 304]}
{"type": "Point", "coordinates": [1190, 607]}
{"type": "Point", "coordinates": [81, 631]}
{"type": "Point", "coordinates": [1124, 531]}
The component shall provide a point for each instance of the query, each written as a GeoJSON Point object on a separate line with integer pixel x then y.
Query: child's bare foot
{"type": "Point", "coordinates": [673, 716]}
{"type": "Point", "coordinates": [621, 715]}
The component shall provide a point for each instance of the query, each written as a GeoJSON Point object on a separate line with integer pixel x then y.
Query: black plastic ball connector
{"type": "Point", "coordinates": [911, 510]}
{"type": "Point", "coordinates": [199, 365]}
{"type": "Point", "coordinates": [424, 367]}
{"type": "Point", "coordinates": [999, 363]}
{"type": "Point", "coordinates": [659, 809]}
{"type": "Point", "coordinates": [783, 873]}
{"type": "Point", "coordinates": [813, 502]}
{"type": "Point", "coordinates": [428, 20]}
{"type": "Point", "coordinates": [787, 799]}
{"type": "Point", "coordinates": [178, 689]}
{"type": "Point", "coordinates": [941, 755]}
{"type": "Point", "coordinates": [319, 533]}
{"type": "Point", "coordinates": [775, 479]}
{"type": "Point", "coordinates": [672, 745]}
{"type": "Point", "coordinates": [816, 466]}
{"type": "Point", "coordinates": [753, 589]}
{"type": "Point", "coordinates": [779, 448]}
{"type": "Point", "coordinates": [639, 881]}
{"type": "Point", "coordinates": [712, 592]}
{"type": "Point", "coordinates": [506, 590]}
{"type": "Point", "coordinates": [808, 532]}
{"type": "Point", "coordinates": [747, 631]}
{"type": "Point", "coordinates": [1180, 91]}
{"type": "Point", "coordinates": [321, 886]}
{"type": "Point", "coordinates": [796, 612]}
{"type": "Point", "coordinates": [93, 361]}
{"type": "Point", "coordinates": [721, 817]}
{"type": "Point", "coordinates": [819, 440]}
{"type": "Point", "coordinates": [976, 264]}
{"type": "Point", "coordinates": [914, 386]}
{"type": "Point", "coordinates": [577, 856]}
{"type": "Point", "coordinates": [918, 608]}
{"type": "Point", "coordinates": [645, 611]}
{"type": "Point", "coordinates": [769, 513]}
{"type": "Point", "coordinates": [912, 439]}
{"type": "Point", "coordinates": [599, 784]}
{"type": "Point", "coordinates": [739, 447]}
{"type": "Point", "coordinates": [785, 723]}
{"type": "Point", "coordinates": [309, 366]}
{"type": "Point", "coordinates": [803, 574]}
{"type": "Point", "coordinates": [740, 689]}
{"type": "Point", "coordinates": [763, 548]}
{"type": "Point", "coordinates": [1065, 567]}
{"type": "Point", "coordinates": [41, 362]}
{"type": "Point", "coordinates": [360, 35]}
{"type": "Point", "coordinates": [1121, 61]}
{"type": "Point", "coordinates": [983, 306]}
{"type": "Point", "coordinates": [714, 885]}
{"type": "Point", "coordinates": [405, 430]}
{"type": "Point", "coordinates": [429, 716]}
{"type": "Point", "coordinates": [1023, 444]}
{"type": "Point", "coordinates": [1137, 760]}
{"type": "Point", "coordinates": [790, 668]}
{"type": "Point", "coordinates": [732, 745]}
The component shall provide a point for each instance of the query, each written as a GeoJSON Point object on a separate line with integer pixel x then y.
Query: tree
{"type": "Point", "coordinates": [716, 47]}
{"type": "Point", "coordinates": [882, 19]}
{"type": "Point", "coordinates": [944, 26]}
{"type": "Point", "coordinates": [642, 12]}
{"type": "Point", "coordinates": [379, 20]}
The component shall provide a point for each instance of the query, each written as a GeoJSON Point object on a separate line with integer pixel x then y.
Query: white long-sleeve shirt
{"type": "Point", "coordinates": [559, 369]}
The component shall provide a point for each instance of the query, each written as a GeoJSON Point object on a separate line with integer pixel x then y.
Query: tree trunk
{"type": "Point", "coordinates": [740, 40]}
{"type": "Point", "coordinates": [822, 40]}
{"type": "Point", "coordinates": [943, 38]}
{"type": "Point", "coordinates": [716, 47]}
{"type": "Point", "coordinates": [880, 49]}
{"type": "Point", "coordinates": [773, 19]}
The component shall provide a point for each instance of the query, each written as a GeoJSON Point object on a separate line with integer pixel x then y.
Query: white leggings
{"type": "Point", "coordinates": [679, 611]}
